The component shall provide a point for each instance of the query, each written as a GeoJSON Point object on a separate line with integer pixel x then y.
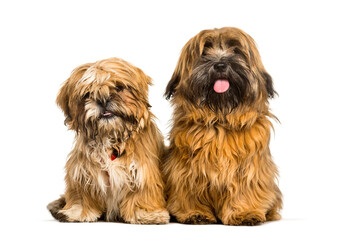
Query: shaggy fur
{"type": "Point", "coordinates": [106, 104]}
{"type": "Point", "coordinates": [218, 165]}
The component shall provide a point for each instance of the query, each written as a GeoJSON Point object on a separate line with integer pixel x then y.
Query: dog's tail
{"type": "Point", "coordinates": [54, 208]}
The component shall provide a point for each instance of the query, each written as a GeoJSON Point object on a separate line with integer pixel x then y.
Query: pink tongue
{"type": "Point", "coordinates": [106, 113]}
{"type": "Point", "coordinates": [221, 86]}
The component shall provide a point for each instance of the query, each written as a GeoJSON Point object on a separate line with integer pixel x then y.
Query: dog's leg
{"type": "Point", "coordinates": [236, 214]}
{"type": "Point", "coordinates": [253, 201]}
{"type": "Point", "coordinates": [80, 207]}
{"type": "Point", "coordinates": [240, 207]}
{"type": "Point", "coordinates": [188, 200]}
{"type": "Point", "coordinates": [273, 213]}
{"type": "Point", "coordinates": [250, 210]}
{"type": "Point", "coordinates": [187, 207]}
{"type": "Point", "coordinates": [55, 206]}
{"type": "Point", "coordinates": [146, 204]}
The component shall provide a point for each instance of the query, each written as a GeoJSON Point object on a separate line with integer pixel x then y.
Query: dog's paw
{"type": "Point", "coordinates": [196, 217]}
{"type": "Point", "coordinates": [199, 219]}
{"type": "Point", "coordinates": [76, 214]}
{"type": "Point", "coordinates": [60, 216]}
{"type": "Point", "coordinates": [245, 219]}
{"type": "Point", "coordinates": [142, 216]}
{"type": "Point", "coordinates": [55, 207]}
{"type": "Point", "coordinates": [252, 221]}
{"type": "Point", "coordinates": [273, 215]}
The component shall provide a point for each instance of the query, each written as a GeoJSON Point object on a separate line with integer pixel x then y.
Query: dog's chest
{"type": "Point", "coordinates": [220, 143]}
{"type": "Point", "coordinates": [216, 150]}
{"type": "Point", "coordinates": [118, 174]}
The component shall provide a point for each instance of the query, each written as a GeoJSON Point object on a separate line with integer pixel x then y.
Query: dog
{"type": "Point", "coordinates": [113, 170]}
{"type": "Point", "coordinates": [218, 166]}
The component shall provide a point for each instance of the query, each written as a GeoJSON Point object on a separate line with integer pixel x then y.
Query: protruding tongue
{"type": "Point", "coordinates": [107, 114]}
{"type": "Point", "coordinates": [221, 85]}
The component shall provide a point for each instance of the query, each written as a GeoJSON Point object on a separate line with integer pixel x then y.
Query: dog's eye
{"type": "Point", "coordinates": [207, 46]}
{"type": "Point", "coordinates": [86, 96]}
{"type": "Point", "coordinates": [119, 88]}
{"type": "Point", "coordinates": [237, 51]}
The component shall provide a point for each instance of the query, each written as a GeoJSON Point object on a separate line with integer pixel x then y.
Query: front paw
{"type": "Point", "coordinates": [199, 219]}
{"type": "Point", "coordinates": [142, 216]}
{"type": "Point", "coordinates": [77, 214]}
{"type": "Point", "coordinates": [196, 217]}
{"type": "Point", "coordinates": [245, 219]}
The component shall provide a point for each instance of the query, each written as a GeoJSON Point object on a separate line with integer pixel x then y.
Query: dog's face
{"type": "Point", "coordinates": [220, 69]}
{"type": "Point", "coordinates": [108, 97]}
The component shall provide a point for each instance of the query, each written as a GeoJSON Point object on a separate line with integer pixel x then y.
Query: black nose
{"type": "Point", "coordinates": [219, 67]}
{"type": "Point", "coordinates": [103, 103]}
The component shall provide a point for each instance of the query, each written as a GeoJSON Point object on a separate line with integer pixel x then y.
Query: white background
{"type": "Point", "coordinates": [42, 41]}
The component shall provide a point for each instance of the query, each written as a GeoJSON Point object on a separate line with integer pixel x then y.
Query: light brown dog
{"type": "Point", "coordinates": [219, 165]}
{"type": "Point", "coordinates": [113, 170]}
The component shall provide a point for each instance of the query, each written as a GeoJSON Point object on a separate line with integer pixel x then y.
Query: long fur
{"type": "Point", "coordinates": [129, 188]}
{"type": "Point", "coordinates": [218, 165]}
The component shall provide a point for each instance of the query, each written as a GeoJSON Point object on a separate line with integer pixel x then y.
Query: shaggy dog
{"type": "Point", "coordinates": [113, 170]}
{"type": "Point", "coordinates": [219, 165]}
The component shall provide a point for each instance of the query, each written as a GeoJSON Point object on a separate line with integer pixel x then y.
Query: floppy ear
{"type": "Point", "coordinates": [257, 62]}
{"type": "Point", "coordinates": [171, 86]}
{"type": "Point", "coordinates": [269, 84]}
{"type": "Point", "coordinates": [190, 51]}
{"type": "Point", "coordinates": [177, 75]}
{"type": "Point", "coordinates": [62, 100]}
{"type": "Point", "coordinates": [147, 79]}
{"type": "Point", "coordinates": [65, 98]}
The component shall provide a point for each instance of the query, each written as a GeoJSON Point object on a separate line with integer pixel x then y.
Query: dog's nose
{"type": "Point", "coordinates": [220, 66]}
{"type": "Point", "coordinates": [103, 103]}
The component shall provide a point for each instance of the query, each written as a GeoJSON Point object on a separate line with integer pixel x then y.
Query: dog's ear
{"type": "Point", "coordinates": [268, 81]}
{"type": "Point", "coordinates": [66, 99]}
{"type": "Point", "coordinates": [177, 75]}
{"type": "Point", "coordinates": [189, 53]}
{"type": "Point", "coordinates": [171, 86]}
{"type": "Point", "coordinates": [256, 62]}
{"type": "Point", "coordinates": [62, 100]}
